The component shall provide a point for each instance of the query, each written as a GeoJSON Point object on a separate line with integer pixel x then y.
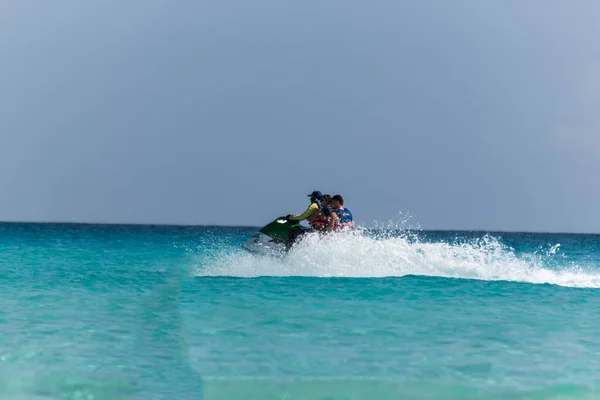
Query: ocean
{"type": "Point", "coordinates": [165, 312]}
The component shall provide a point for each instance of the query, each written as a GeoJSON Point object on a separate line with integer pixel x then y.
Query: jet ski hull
{"type": "Point", "coordinates": [272, 239]}
{"type": "Point", "coordinates": [264, 245]}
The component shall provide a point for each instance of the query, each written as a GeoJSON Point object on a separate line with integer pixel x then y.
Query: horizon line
{"type": "Point", "coordinates": [181, 225]}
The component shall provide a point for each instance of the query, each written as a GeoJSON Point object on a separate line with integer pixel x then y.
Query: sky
{"type": "Point", "coordinates": [462, 115]}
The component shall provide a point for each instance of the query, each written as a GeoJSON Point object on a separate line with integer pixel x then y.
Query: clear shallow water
{"type": "Point", "coordinates": [108, 312]}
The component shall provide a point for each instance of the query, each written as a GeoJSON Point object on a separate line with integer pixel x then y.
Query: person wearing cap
{"type": "Point", "coordinates": [313, 214]}
{"type": "Point", "coordinates": [315, 205]}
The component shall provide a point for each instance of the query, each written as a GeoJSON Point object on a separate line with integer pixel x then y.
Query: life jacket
{"type": "Point", "coordinates": [345, 220]}
{"type": "Point", "coordinates": [319, 219]}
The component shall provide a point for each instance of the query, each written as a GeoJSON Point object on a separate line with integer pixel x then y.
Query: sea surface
{"type": "Point", "coordinates": [159, 312]}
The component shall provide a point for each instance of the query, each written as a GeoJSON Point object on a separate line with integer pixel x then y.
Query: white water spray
{"type": "Point", "coordinates": [360, 255]}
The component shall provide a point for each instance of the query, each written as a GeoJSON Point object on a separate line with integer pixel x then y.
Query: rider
{"type": "Point", "coordinates": [315, 205]}
{"type": "Point", "coordinates": [341, 217]}
{"type": "Point", "coordinates": [320, 218]}
{"type": "Point", "coordinates": [313, 214]}
{"type": "Point", "coordinates": [325, 215]}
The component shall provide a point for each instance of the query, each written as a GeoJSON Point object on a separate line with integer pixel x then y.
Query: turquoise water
{"type": "Point", "coordinates": [143, 312]}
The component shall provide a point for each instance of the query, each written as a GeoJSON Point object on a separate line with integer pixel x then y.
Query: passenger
{"type": "Point", "coordinates": [341, 217]}
{"type": "Point", "coordinates": [319, 219]}
{"type": "Point", "coordinates": [325, 213]}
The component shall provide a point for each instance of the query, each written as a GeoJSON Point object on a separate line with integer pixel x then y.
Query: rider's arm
{"type": "Point", "coordinates": [333, 218]}
{"type": "Point", "coordinates": [311, 209]}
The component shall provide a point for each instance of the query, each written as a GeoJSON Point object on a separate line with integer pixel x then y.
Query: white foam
{"type": "Point", "coordinates": [358, 255]}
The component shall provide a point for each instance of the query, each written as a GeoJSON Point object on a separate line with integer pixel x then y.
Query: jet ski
{"type": "Point", "coordinates": [273, 239]}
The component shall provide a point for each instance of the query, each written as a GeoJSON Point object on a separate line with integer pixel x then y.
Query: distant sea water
{"type": "Point", "coordinates": [158, 312]}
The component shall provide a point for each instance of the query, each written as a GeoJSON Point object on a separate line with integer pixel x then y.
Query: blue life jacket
{"type": "Point", "coordinates": [345, 221]}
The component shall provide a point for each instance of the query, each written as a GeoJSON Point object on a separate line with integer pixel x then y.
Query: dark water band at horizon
{"type": "Point", "coordinates": [168, 226]}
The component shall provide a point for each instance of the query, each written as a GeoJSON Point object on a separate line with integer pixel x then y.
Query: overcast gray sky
{"type": "Point", "coordinates": [466, 114]}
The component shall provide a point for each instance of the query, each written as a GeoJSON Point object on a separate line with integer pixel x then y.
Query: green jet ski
{"type": "Point", "coordinates": [274, 238]}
